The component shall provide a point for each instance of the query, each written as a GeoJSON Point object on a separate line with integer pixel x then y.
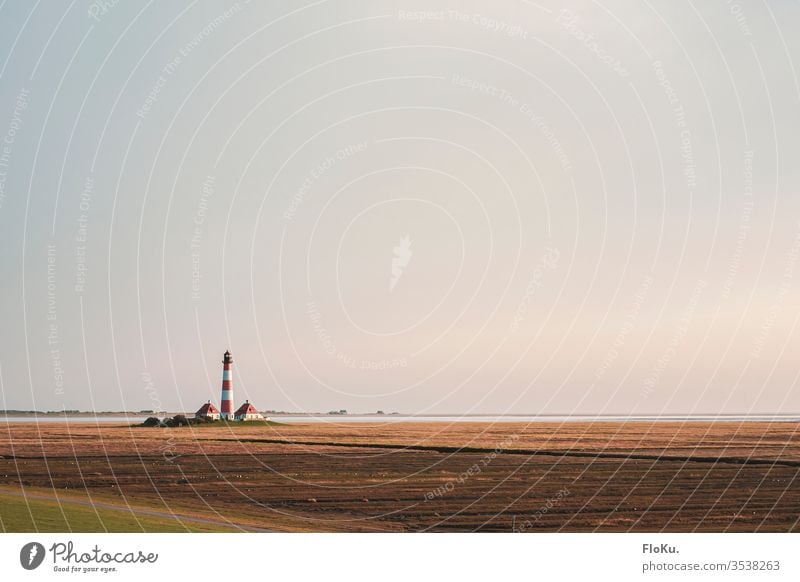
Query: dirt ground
{"type": "Point", "coordinates": [426, 476]}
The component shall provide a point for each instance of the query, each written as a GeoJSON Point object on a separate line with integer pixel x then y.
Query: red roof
{"type": "Point", "coordinates": [207, 408]}
{"type": "Point", "coordinates": [246, 408]}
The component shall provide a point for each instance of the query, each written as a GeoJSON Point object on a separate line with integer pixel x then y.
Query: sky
{"type": "Point", "coordinates": [438, 207]}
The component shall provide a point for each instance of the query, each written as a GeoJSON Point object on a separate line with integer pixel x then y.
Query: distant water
{"type": "Point", "coordinates": [389, 418]}
{"type": "Point", "coordinates": [61, 419]}
{"type": "Point", "coordinates": [534, 418]}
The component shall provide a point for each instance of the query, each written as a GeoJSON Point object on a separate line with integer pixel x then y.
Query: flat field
{"type": "Point", "coordinates": [504, 477]}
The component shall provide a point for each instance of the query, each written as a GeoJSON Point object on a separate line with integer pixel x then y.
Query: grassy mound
{"type": "Point", "coordinates": [181, 420]}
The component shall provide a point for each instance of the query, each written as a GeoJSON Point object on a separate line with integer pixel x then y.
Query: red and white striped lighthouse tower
{"type": "Point", "coordinates": [226, 404]}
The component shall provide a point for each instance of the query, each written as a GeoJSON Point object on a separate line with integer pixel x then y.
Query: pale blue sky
{"type": "Point", "coordinates": [602, 205]}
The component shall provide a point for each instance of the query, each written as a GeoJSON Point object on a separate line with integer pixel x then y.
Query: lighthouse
{"type": "Point", "coordinates": [226, 404]}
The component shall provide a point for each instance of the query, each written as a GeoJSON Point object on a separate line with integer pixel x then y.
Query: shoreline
{"type": "Point", "coordinates": [406, 414]}
{"type": "Point", "coordinates": [422, 418]}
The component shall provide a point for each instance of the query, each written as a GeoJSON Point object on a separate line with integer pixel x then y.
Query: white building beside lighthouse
{"type": "Point", "coordinates": [248, 412]}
